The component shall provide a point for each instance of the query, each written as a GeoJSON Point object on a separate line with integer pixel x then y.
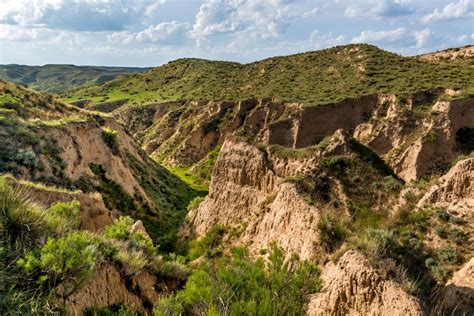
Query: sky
{"type": "Point", "coordinates": [151, 33]}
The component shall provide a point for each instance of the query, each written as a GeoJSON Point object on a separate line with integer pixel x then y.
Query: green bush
{"type": "Point", "coordinates": [380, 242]}
{"type": "Point", "coordinates": [67, 261]}
{"type": "Point", "coordinates": [194, 203]}
{"type": "Point", "coordinates": [169, 306]}
{"type": "Point", "coordinates": [448, 255]}
{"type": "Point", "coordinates": [238, 285]}
{"type": "Point", "coordinates": [120, 229]}
{"type": "Point", "coordinates": [456, 235]}
{"type": "Point", "coordinates": [26, 157]}
{"type": "Point", "coordinates": [64, 216]}
{"type": "Point", "coordinates": [208, 245]}
{"type": "Point", "coordinates": [336, 163]}
{"type": "Point", "coordinates": [332, 231]}
{"type": "Point", "coordinates": [110, 137]}
{"type": "Point", "coordinates": [442, 214]}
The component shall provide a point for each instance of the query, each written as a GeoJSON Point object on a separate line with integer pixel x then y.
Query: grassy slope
{"type": "Point", "coordinates": [58, 78]}
{"type": "Point", "coordinates": [24, 113]}
{"type": "Point", "coordinates": [315, 77]}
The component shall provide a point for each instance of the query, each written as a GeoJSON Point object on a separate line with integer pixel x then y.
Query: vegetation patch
{"type": "Point", "coordinates": [239, 285]}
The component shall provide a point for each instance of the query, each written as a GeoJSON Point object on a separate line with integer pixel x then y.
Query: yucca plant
{"type": "Point", "coordinates": [22, 222]}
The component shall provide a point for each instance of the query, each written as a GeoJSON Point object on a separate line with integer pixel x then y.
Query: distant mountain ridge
{"type": "Point", "coordinates": [58, 78]}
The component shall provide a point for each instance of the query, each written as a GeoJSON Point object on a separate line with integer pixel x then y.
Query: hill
{"type": "Point", "coordinates": [59, 78]}
{"type": "Point", "coordinates": [318, 77]}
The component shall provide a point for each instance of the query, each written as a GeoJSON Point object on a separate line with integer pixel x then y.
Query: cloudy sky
{"type": "Point", "coordinates": [150, 33]}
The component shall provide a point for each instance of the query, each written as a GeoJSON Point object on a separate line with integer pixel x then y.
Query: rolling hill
{"type": "Point", "coordinates": [58, 78]}
{"type": "Point", "coordinates": [317, 77]}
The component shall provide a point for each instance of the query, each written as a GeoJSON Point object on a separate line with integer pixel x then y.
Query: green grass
{"type": "Point", "coordinates": [57, 78]}
{"type": "Point", "coordinates": [193, 181]}
{"type": "Point", "coordinates": [318, 77]}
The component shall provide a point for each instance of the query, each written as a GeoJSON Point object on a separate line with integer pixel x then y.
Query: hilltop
{"type": "Point", "coordinates": [317, 77]}
{"type": "Point", "coordinates": [59, 78]}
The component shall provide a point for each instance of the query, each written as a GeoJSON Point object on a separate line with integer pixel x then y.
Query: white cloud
{"type": "Point", "coordinates": [163, 33]}
{"type": "Point", "coordinates": [381, 36]}
{"type": "Point", "coordinates": [378, 8]}
{"type": "Point", "coordinates": [254, 19]}
{"type": "Point", "coordinates": [77, 15]}
{"type": "Point", "coordinates": [422, 37]}
{"type": "Point", "coordinates": [466, 38]}
{"type": "Point", "coordinates": [15, 33]}
{"type": "Point", "coordinates": [451, 11]}
{"type": "Point", "coordinates": [317, 40]}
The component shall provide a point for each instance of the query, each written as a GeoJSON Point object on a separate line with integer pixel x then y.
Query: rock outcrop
{"type": "Point", "coordinates": [246, 190]}
{"type": "Point", "coordinates": [114, 285]}
{"type": "Point", "coordinates": [455, 190]}
{"type": "Point", "coordinates": [249, 189]}
{"type": "Point", "coordinates": [354, 287]}
{"type": "Point", "coordinates": [458, 294]}
{"type": "Point", "coordinates": [414, 139]}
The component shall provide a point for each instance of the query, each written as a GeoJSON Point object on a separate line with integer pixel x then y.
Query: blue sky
{"type": "Point", "coordinates": [150, 33]}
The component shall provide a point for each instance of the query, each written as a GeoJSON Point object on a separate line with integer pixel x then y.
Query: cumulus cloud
{"type": "Point", "coordinates": [76, 15]}
{"type": "Point", "coordinates": [400, 38]}
{"type": "Point", "coordinates": [255, 18]}
{"type": "Point", "coordinates": [451, 11]}
{"type": "Point", "coordinates": [465, 38]}
{"type": "Point", "coordinates": [379, 8]}
{"type": "Point", "coordinates": [422, 37]}
{"type": "Point", "coordinates": [15, 33]}
{"type": "Point", "coordinates": [381, 36]}
{"type": "Point", "coordinates": [164, 33]}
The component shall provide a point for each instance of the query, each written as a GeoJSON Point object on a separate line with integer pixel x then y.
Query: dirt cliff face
{"type": "Point", "coordinates": [455, 190]}
{"type": "Point", "coordinates": [246, 191]}
{"type": "Point", "coordinates": [406, 131]}
{"type": "Point", "coordinates": [276, 186]}
{"type": "Point", "coordinates": [76, 155]}
{"type": "Point", "coordinates": [252, 189]}
{"type": "Point", "coordinates": [354, 287]}
{"type": "Point", "coordinates": [114, 285]}
{"type": "Point", "coordinates": [459, 54]}
{"type": "Point", "coordinates": [458, 294]}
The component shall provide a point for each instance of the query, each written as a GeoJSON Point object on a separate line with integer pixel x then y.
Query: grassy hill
{"type": "Point", "coordinates": [314, 77]}
{"type": "Point", "coordinates": [58, 78]}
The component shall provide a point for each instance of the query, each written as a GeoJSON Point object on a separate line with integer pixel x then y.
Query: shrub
{"type": "Point", "coordinates": [448, 255]}
{"type": "Point", "coordinates": [67, 261]}
{"type": "Point", "coordinates": [207, 245]}
{"type": "Point", "coordinates": [457, 236]}
{"type": "Point", "coordinates": [332, 231]}
{"type": "Point", "coordinates": [171, 305]}
{"type": "Point", "coordinates": [26, 157]}
{"type": "Point", "coordinates": [194, 203]}
{"type": "Point", "coordinates": [64, 216]}
{"type": "Point", "coordinates": [238, 285]}
{"type": "Point", "coordinates": [392, 183]}
{"type": "Point", "coordinates": [442, 214]}
{"type": "Point", "coordinates": [438, 271]}
{"type": "Point", "coordinates": [120, 229]}
{"type": "Point", "coordinates": [380, 242]}
{"type": "Point", "coordinates": [336, 163]}
{"type": "Point", "coordinates": [110, 138]}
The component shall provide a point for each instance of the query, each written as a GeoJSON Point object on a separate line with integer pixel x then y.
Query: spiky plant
{"type": "Point", "coordinates": [22, 222]}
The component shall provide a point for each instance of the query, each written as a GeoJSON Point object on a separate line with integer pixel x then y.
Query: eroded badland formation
{"type": "Point", "coordinates": [337, 182]}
